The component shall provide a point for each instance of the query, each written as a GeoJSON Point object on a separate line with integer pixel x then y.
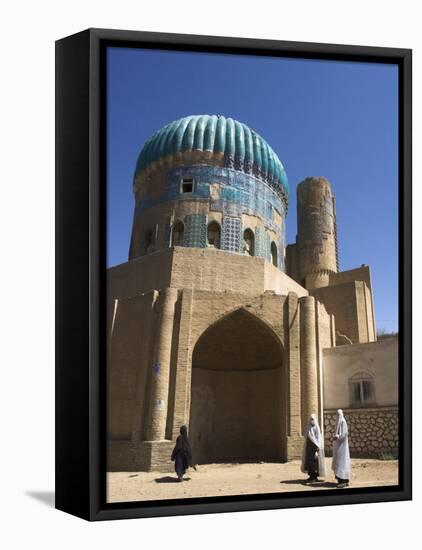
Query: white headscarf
{"type": "Point", "coordinates": [341, 424]}
{"type": "Point", "coordinates": [313, 432]}
{"type": "Point", "coordinates": [341, 455]}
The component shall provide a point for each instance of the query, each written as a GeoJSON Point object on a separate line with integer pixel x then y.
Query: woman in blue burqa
{"type": "Point", "coordinates": [182, 453]}
{"type": "Point", "coordinates": [313, 459]}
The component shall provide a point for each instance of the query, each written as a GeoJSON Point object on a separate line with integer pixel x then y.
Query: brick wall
{"type": "Point", "coordinates": [346, 302]}
{"type": "Point", "coordinates": [205, 269]}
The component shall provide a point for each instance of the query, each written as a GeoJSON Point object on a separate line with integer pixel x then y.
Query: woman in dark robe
{"type": "Point", "coordinates": [313, 459]}
{"type": "Point", "coordinates": [182, 453]}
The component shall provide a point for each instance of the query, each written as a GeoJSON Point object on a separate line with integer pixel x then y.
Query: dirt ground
{"type": "Point", "coordinates": [240, 479]}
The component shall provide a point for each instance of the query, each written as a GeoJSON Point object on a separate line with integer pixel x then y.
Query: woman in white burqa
{"type": "Point", "coordinates": [313, 459]}
{"type": "Point", "coordinates": [341, 455]}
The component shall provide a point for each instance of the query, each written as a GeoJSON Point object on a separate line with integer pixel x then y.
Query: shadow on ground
{"type": "Point", "coordinates": [45, 497]}
{"type": "Point", "coordinates": [169, 479]}
{"type": "Point", "coordinates": [326, 484]}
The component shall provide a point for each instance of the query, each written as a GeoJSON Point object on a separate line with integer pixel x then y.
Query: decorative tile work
{"type": "Point", "coordinates": [244, 198]}
{"type": "Point", "coordinates": [248, 166]}
{"type": "Point", "coordinates": [267, 247]}
{"type": "Point", "coordinates": [238, 162]}
{"type": "Point", "coordinates": [229, 161]}
{"type": "Point", "coordinates": [230, 194]}
{"type": "Point", "coordinates": [281, 247]}
{"type": "Point", "coordinates": [195, 234]}
{"type": "Point", "coordinates": [262, 243]}
{"type": "Point", "coordinates": [232, 209]}
{"type": "Point", "coordinates": [258, 241]}
{"type": "Point", "coordinates": [280, 255]}
{"type": "Point", "coordinates": [231, 234]}
{"type": "Point", "coordinates": [238, 193]}
{"type": "Point", "coordinates": [253, 195]}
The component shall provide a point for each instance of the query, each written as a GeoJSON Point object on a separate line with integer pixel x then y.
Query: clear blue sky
{"type": "Point", "coordinates": [323, 118]}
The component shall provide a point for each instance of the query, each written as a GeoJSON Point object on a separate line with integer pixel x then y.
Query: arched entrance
{"type": "Point", "coordinates": [238, 396]}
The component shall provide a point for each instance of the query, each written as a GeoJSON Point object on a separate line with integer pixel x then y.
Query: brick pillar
{"type": "Point", "coordinates": [141, 409]}
{"type": "Point", "coordinates": [308, 359]}
{"type": "Point", "coordinates": [294, 444]}
{"type": "Point", "coordinates": [184, 365]}
{"type": "Point", "coordinates": [160, 367]}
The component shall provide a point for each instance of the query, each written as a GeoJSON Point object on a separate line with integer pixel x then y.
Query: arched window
{"type": "Point", "coordinates": [213, 235]}
{"type": "Point", "coordinates": [362, 389]}
{"type": "Point", "coordinates": [274, 257]}
{"type": "Point", "coordinates": [177, 235]}
{"type": "Point", "coordinates": [249, 242]}
{"type": "Point", "coordinates": [150, 237]}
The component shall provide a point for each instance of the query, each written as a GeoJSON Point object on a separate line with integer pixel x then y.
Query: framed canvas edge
{"type": "Point", "coordinates": [72, 300]}
{"type": "Point", "coordinates": [94, 454]}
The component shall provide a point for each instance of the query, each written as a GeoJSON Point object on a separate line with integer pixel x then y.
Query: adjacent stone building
{"type": "Point", "coordinates": [362, 379]}
{"type": "Point", "coordinates": [213, 322]}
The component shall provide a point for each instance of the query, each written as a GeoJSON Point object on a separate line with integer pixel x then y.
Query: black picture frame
{"type": "Point", "coordinates": [80, 273]}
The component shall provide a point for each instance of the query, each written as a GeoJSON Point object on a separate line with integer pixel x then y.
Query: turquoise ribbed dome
{"type": "Point", "coordinates": [240, 145]}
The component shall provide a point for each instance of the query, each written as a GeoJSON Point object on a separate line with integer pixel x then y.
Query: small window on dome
{"type": "Point", "coordinates": [274, 255]}
{"type": "Point", "coordinates": [150, 237]}
{"type": "Point", "coordinates": [178, 230]}
{"type": "Point", "coordinates": [248, 242]}
{"type": "Point", "coordinates": [213, 235]}
{"type": "Point", "coordinates": [186, 185]}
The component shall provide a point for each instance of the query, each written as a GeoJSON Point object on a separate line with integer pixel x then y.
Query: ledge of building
{"type": "Point", "coordinates": [363, 410]}
{"type": "Point", "coordinates": [345, 348]}
{"type": "Point", "coordinates": [199, 269]}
